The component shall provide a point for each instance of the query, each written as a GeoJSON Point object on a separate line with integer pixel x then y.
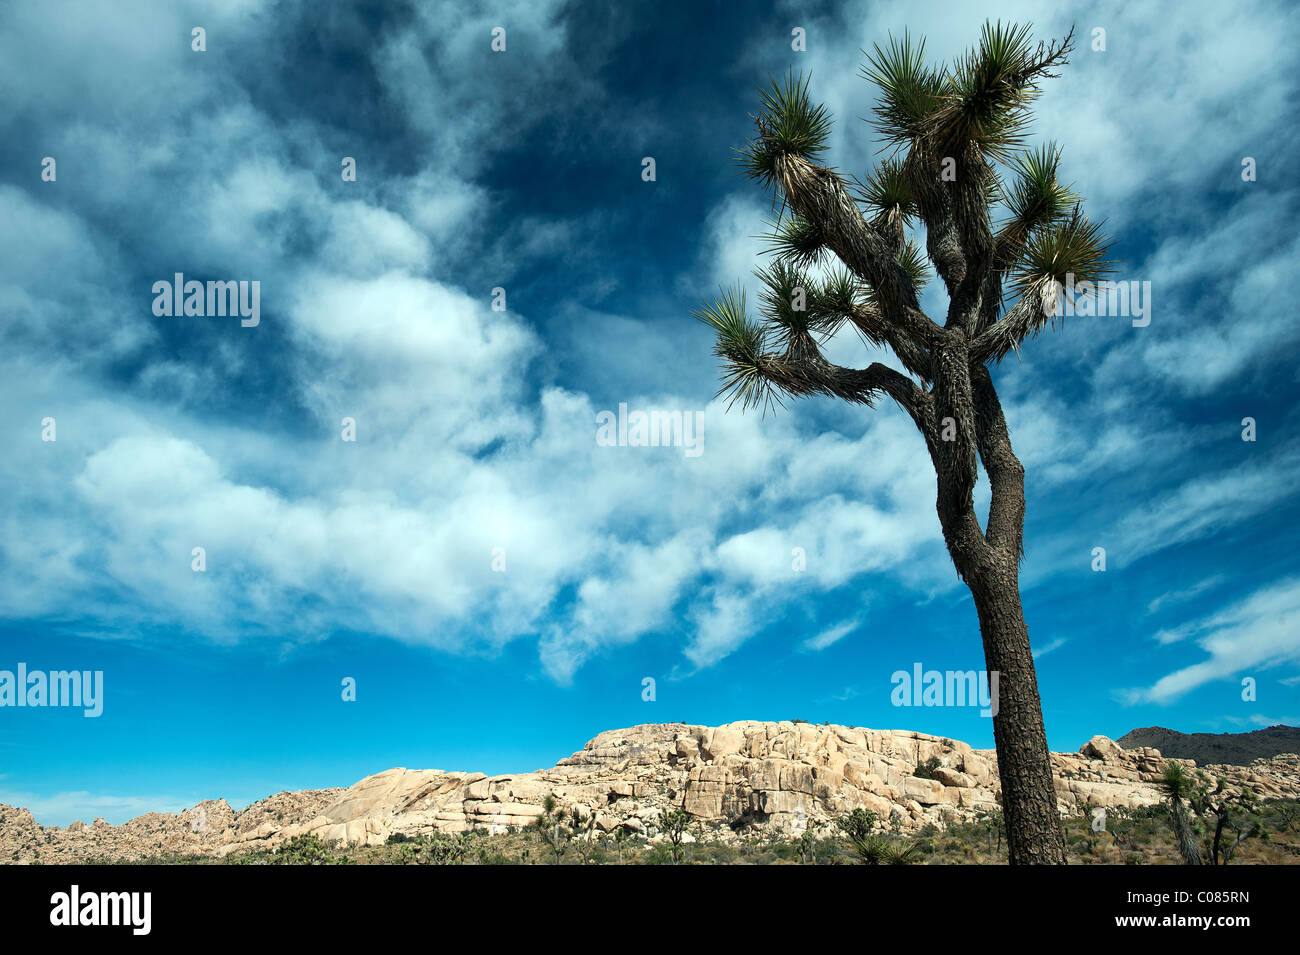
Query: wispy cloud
{"type": "Point", "coordinates": [1261, 720]}
{"type": "Point", "coordinates": [1049, 647]}
{"type": "Point", "coordinates": [830, 637]}
{"type": "Point", "coordinates": [1172, 597]}
{"type": "Point", "coordinates": [1255, 633]}
{"type": "Point", "coordinates": [62, 809]}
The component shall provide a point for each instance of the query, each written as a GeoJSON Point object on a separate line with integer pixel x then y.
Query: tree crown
{"type": "Point", "coordinates": [843, 250]}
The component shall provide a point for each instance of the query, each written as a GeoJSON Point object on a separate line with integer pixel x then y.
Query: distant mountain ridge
{"type": "Point", "coordinates": [1234, 749]}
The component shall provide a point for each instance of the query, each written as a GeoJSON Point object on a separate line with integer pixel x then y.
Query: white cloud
{"type": "Point", "coordinates": [720, 627]}
{"type": "Point", "coordinates": [62, 809]}
{"type": "Point", "coordinates": [1202, 506]}
{"type": "Point", "coordinates": [458, 450]}
{"type": "Point", "coordinates": [834, 635]}
{"type": "Point", "coordinates": [1254, 634]}
{"type": "Point", "coordinates": [1056, 644]}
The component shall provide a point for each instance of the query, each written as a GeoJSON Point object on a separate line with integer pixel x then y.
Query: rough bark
{"type": "Point", "coordinates": [1034, 834]}
{"type": "Point", "coordinates": [1188, 845]}
{"type": "Point", "coordinates": [989, 563]}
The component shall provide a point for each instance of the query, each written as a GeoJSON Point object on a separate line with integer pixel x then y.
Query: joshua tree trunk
{"type": "Point", "coordinates": [1034, 833]}
{"type": "Point", "coordinates": [1024, 765]}
{"type": "Point", "coordinates": [989, 563]}
{"type": "Point", "coordinates": [1188, 846]}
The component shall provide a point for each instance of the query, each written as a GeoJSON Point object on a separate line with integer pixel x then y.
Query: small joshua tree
{"type": "Point", "coordinates": [1223, 819]}
{"type": "Point", "coordinates": [806, 846]}
{"type": "Point", "coordinates": [950, 129]}
{"type": "Point", "coordinates": [674, 823]}
{"type": "Point", "coordinates": [1287, 811]}
{"type": "Point", "coordinates": [552, 826]}
{"type": "Point", "coordinates": [872, 849]}
{"type": "Point", "coordinates": [1178, 787]}
{"type": "Point", "coordinates": [1209, 823]}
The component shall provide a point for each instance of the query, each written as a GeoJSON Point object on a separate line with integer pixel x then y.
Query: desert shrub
{"type": "Point", "coordinates": [306, 849]}
{"type": "Point", "coordinates": [925, 770]}
{"type": "Point", "coordinates": [857, 824]}
{"type": "Point", "coordinates": [658, 854]}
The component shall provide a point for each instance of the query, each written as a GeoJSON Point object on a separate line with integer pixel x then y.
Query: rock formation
{"type": "Point", "coordinates": [775, 778]}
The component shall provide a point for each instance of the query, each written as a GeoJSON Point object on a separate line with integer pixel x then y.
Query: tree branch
{"type": "Point", "coordinates": [802, 371]}
{"type": "Point", "coordinates": [879, 332]}
{"type": "Point", "coordinates": [819, 194]}
{"type": "Point", "coordinates": [955, 455]}
{"type": "Point", "coordinates": [934, 207]}
{"type": "Point", "coordinates": [803, 375]}
{"type": "Point", "coordinates": [1005, 527]}
{"type": "Point", "coordinates": [1020, 321]}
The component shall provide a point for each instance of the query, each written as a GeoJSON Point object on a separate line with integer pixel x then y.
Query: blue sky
{"type": "Point", "coordinates": [476, 428]}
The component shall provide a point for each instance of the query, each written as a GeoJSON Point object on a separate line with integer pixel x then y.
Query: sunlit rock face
{"type": "Point", "coordinates": [746, 777]}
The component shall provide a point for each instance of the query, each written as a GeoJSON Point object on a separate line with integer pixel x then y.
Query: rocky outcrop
{"type": "Point", "coordinates": [206, 829]}
{"type": "Point", "coordinates": [776, 778]}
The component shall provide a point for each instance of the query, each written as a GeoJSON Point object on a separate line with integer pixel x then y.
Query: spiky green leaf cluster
{"type": "Point", "coordinates": [1036, 197]}
{"type": "Point", "coordinates": [1075, 248]}
{"type": "Point", "coordinates": [837, 296]}
{"type": "Point", "coordinates": [789, 124]}
{"type": "Point", "coordinates": [981, 103]}
{"type": "Point", "coordinates": [839, 293]}
{"type": "Point", "coordinates": [796, 240]}
{"type": "Point", "coordinates": [1176, 782]}
{"type": "Point", "coordinates": [987, 94]}
{"type": "Point", "coordinates": [916, 263]}
{"type": "Point", "coordinates": [740, 344]}
{"type": "Point", "coordinates": [909, 90]}
{"type": "Point", "coordinates": [788, 299]}
{"type": "Point", "coordinates": [888, 191]}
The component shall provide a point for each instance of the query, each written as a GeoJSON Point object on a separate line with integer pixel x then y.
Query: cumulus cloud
{"type": "Point", "coordinates": [179, 434]}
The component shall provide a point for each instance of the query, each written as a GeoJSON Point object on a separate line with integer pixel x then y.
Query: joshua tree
{"type": "Point", "coordinates": [949, 128]}
{"type": "Point", "coordinates": [994, 823]}
{"type": "Point", "coordinates": [674, 823]}
{"type": "Point", "coordinates": [1178, 787]}
{"type": "Point", "coordinates": [552, 826]}
{"type": "Point", "coordinates": [1224, 819]}
{"type": "Point", "coordinates": [1287, 812]}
